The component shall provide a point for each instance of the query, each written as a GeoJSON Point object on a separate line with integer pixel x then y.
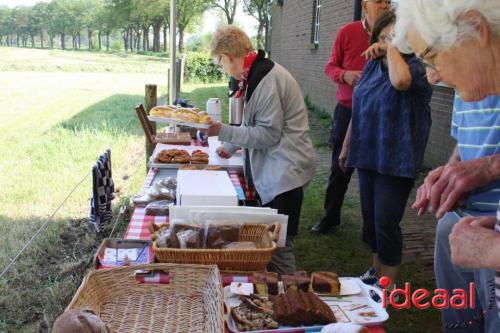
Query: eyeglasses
{"type": "Point", "coordinates": [424, 62]}
{"type": "Point", "coordinates": [380, 2]}
{"type": "Point", "coordinates": [218, 61]}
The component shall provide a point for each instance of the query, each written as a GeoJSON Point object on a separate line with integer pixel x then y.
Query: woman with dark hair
{"type": "Point", "coordinates": [386, 141]}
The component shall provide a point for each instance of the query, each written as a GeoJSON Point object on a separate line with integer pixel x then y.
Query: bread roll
{"type": "Point", "coordinates": [162, 111]}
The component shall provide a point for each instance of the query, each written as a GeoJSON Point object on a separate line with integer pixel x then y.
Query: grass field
{"type": "Point", "coordinates": [60, 110]}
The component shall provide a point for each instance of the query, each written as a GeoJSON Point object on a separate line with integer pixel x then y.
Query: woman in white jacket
{"type": "Point", "coordinates": [278, 153]}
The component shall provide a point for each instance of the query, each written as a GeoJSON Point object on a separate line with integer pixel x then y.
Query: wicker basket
{"type": "Point", "coordinates": [191, 301]}
{"type": "Point", "coordinates": [244, 260]}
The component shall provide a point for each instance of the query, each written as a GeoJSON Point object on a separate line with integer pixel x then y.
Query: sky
{"type": "Point", "coordinates": [14, 3]}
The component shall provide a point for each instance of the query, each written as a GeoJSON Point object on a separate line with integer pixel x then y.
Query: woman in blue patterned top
{"type": "Point", "coordinates": [386, 142]}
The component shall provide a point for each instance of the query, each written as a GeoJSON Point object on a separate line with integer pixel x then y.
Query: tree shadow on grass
{"type": "Point", "coordinates": [115, 113]}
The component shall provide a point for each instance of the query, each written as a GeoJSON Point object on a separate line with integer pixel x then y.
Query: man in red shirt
{"type": "Point", "coordinates": [344, 68]}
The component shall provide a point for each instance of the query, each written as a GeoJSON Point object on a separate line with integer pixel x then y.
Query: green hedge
{"type": "Point", "coordinates": [200, 68]}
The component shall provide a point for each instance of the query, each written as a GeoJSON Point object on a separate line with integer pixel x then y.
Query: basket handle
{"type": "Point", "coordinates": [275, 230]}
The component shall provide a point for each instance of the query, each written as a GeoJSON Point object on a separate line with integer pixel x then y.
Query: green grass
{"type": "Point", "coordinates": [55, 122]}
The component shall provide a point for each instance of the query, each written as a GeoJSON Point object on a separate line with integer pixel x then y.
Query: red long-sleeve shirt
{"type": "Point", "coordinates": [352, 40]}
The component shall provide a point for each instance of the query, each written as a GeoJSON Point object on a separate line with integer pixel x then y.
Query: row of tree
{"type": "Point", "coordinates": [134, 19]}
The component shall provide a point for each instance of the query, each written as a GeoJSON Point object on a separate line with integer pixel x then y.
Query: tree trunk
{"type": "Point", "coordinates": [32, 41]}
{"type": "Point", "coordinates": [107, 40]}
{"type": "Point", "coordinates": [131, 37]}
{"type": "Point", "coordinates": [165, 38]}
{"type": "Point", "coordinates": [41, 39]}
{"type": "Point", "coordinates": [89, 36]}
{"type": "Point", "coordinates": [145, 32]}
{"type": "Point", "coordinates": [156, 38]}
{"type": "Point", "coordinates": [181, 41]}
{"type": "Point", "coordinates": [79, 40]}
{"type": "Point", "coordinates": [125, 39]}
{"type": "Point", "coordinates": [63, 45]}
{"type": "Point", "coordinates": [99, 39]}
{"type": "Point", "coordinates": [260, 30]}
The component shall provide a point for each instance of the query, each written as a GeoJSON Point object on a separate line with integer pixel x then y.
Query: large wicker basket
{"type": "Point", "coordinates": [241, 260]}
{"type": "Point", "coordinates": [191, 301]}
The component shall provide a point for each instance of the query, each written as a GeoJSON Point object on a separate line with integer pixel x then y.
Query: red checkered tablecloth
{"type": "Point", "coordinates": [138, 226]}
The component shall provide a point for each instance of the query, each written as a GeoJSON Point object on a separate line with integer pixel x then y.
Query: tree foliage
{"type": "Point", "coordinates": [259, 9]}
{"type": "Point", "coordinates": [69, 20]}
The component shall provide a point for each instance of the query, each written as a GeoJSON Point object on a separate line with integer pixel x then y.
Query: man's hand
{"type": "Point", "coordinates": [455, 182]}
{"type": "Point", "coordinates": [375, 51]}
{"type": "Point", "coordinates": [213, 130]}
{"type": "Point", "coordinates": [422, 199]}
{"type": "Point", "coordinates": [446, 187]}
{"type": "Point", "coordinates": [472, 243]}
{"type": "Point", "coordinates": [351, 77]}
{"type": "Point", "coordinates": [222, 152]}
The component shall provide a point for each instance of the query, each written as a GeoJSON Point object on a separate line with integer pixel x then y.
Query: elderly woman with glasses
{"type": "Point", "coordinates": [278, 153]}
{"type": "Point", "coordinates": [386, 142]}
{"type": "Point", "coordinates": [459, 42]}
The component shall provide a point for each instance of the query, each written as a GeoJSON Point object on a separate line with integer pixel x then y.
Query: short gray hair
{"type": "Point", "coordinates": [437, 21]}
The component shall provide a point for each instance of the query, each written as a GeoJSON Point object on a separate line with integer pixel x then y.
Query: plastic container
{"type": "Point", "coordinates": [214, 109]}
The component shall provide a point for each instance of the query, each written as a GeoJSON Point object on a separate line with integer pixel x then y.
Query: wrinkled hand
{"type": "Point", "coordinates": [222, 152]}
{"type": "Point", "coordinates": [445, 188]}
{"type": "Point", "coordinates": [422, 198]}
{"type": "Point", "coordinates": [213, 130]}
{"type": "Point", "coordinates": [471, 242]}
{"type": "Point", "coordinates": [351, 77]}
{"type": "Point", "coordinates": [375, 51]}
{"type": "Point", "coordinates": [343, 159]}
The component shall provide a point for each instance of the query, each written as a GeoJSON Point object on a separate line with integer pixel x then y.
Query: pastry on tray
{"type": "Point", "coordinates": [163, 157]}
{"type": "Point", "coordinates": [185, 114]}
{"type": "Point", "coordinates": [163, 111]}
{"type": "Point", "coordinates": [297, 280]}
{"type": "Point", "coordinates": [266, 283]}
{"type": "Point", "coordinates": [199, 157]}
{"type": "Point", "coordinates": [173, 156]}
{"type": "Point", "coordinates": [325, 283]}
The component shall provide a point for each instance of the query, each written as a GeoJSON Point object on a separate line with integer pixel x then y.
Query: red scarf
{"type": "Point", "coordinates": [247, 65]}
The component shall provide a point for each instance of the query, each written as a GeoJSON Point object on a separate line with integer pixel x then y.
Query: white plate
{"type": "Point", "coordinates": [178, 122]}
{"type": "Point", "coordinates": [347, 309]}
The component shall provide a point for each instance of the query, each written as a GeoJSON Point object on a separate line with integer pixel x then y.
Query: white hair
{"type": "Point", "coordinates": [438, 21]}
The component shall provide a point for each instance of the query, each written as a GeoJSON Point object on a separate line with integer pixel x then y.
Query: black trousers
{"type": "Point", "coordinates": [289, 203]}
{"type": "Point", "coordinates": [338, 181]}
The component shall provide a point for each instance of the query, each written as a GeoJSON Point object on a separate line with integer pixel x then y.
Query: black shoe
{"type": "Point", "coordinates": [322, 227]}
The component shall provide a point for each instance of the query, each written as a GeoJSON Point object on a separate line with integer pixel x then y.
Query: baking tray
{"type": "Point", "coordinates": [178, 122]}
{"type": "Point", "coordinates": [214, 160]}
{"type": "Point", "coordinates": [341, 307]}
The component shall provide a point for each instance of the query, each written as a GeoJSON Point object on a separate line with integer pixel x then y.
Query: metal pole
{"type": "Point", "coordinates": [172, 96]}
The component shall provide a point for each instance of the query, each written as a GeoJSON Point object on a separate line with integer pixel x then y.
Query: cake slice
{"type": "Point", "coordinates": [326, 283]}
{"type": "Point", "coordinates": [297, 281]}
{"type": "Point", "coordinates": [266, 283]}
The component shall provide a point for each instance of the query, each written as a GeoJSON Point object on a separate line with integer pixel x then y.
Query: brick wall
{"type": "Point", "coordinates": [291, 47]}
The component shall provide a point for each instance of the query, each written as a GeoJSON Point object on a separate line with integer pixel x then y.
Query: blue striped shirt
{"type": "Point", "coordinates": [476, 127]}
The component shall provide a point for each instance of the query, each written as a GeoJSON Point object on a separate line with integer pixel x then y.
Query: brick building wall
{"type": "Point", "coordinates": [291, 47]}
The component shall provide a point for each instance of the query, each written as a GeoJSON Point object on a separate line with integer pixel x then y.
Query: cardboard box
{"type": "Point", "coordinates": [205, 188]}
